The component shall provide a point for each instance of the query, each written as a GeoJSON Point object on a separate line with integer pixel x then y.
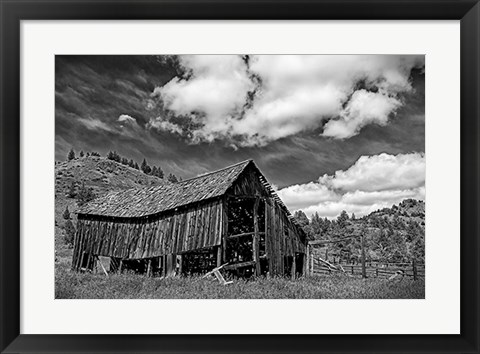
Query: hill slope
{"type": "Point", "coordinates": [391, 234]}
{"type": "Point", "coordinates": [99, 174]}
{"type": "Point", "coordinates": [408, 210]}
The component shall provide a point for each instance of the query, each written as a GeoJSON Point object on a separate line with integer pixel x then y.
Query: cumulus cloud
{"type": "Point", "coordinates": [372, 182]}
{"type": "Point", "coordinates": [379, 173]}
{"type": "Point", "coordinates": [164, 125]}
{"type": "Point", "coordinates": [213, 94]}
{"type": "Point", "coordinates": [363, 108]}
{"type": "Point", "coordinates": [257, 99]}
{"type": "Point", "coordinates": [125, 118]}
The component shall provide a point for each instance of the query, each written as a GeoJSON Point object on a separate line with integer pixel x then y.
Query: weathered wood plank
{"type": "Point", "coordinates": [256, 238]}
{"type": "Point", "coordinates": [239, 265]}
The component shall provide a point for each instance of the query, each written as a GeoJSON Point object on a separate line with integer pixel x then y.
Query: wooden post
{"type": "Point", "coordinates": [225, 228]}
{"type": "Point", "coordinates": [219, 256]}
{"type": "Point", "coordinates": [101, 264]}
{"type": "Point", "coordinates": [180, 264]}
{"type": "Point", "coordinates": [149, 268]}
{"type": "Point", "coordinates": [414, 266]}
{"type": "Point", "coordinates": [256, 238]}
{"type": "Point", "coordinates": [307, 261]}
{"type": "Point", "coordinates": [164, 265]}
{"type": "Point", "coordinates": [311, 261]}
{"type": "Point", "coordinates": [376, 271]}
{"type": "Point", "coordinates": [120, 266]}
{"type": "Point", "coordinates": [364, 271]}
{"type": "Point", "coordinates": [294, 266]}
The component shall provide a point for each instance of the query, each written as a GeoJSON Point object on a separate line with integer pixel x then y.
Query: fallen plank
{"type": "Point", "coordinates": [239, 265]}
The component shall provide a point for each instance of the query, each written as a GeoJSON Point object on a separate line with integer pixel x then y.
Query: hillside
{"type": "Point", "coordinates": [408, 210]}
{"type": "Point", "coordinates": [98, 174]}
{"type": "Point", "coordinates": [391, 234]}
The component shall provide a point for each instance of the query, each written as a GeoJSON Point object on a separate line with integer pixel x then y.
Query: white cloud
{"type": "Point", "coordinates": [125, 118]}
{"type": "Point", "coordinates": [274, 96]}
{"type": "Point", "coordinates": [304, 195]}
{"type": "Point", "coordinates": [214, 93]}
{"type": "Point", "coordinates": [380, 172]}
{"type": "Point", "coordinates": [371, 183]}
{"type": "Point", "coordinates": [164, 125]}
{"type": "Point", "coordinates": [94, 124]}
{"type": "Point", "coordinates": [363, 108]}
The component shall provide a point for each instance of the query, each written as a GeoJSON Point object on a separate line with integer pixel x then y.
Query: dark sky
{"type": "Point", "coordinates": [125, 103]}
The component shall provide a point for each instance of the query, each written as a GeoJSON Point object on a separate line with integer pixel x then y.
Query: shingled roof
{"type": "Point", "coordinates": [152, 200]}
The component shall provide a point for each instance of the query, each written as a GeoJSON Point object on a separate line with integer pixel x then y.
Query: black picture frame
{"type": "Point", "coordinates": [14, 11]}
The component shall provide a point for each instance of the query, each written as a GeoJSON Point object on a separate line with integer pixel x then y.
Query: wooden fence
{"type": "Point", "coordinates": [413, 270]}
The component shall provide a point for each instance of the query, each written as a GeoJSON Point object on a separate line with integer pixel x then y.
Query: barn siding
{"type": "Point", "coordinates": [248, 184]}
{"type": "Point", "coordinates": [201, 225]}
{"type": "Point", "coordinates": [282, 238]}
{"type": "Point", "coordinates": [198, 227]}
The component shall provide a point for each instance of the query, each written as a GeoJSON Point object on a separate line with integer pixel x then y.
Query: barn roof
{"type": "Point", "coordinates": [152, 200]}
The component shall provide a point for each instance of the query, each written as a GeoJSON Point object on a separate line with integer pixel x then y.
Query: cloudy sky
{"type": "Point", "coordinates": [331, 133]}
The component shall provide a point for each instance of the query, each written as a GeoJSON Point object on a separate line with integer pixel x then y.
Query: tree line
{"type": "Point", "coordinates": [391, 235]}
{"type": "Point", "coordinates": [144, 167]}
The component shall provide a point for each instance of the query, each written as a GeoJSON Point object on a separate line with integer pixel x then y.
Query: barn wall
{"type": "Point", "coordinates": [282, 239]}
{"type": "Point", "coordinates": [198, 227]}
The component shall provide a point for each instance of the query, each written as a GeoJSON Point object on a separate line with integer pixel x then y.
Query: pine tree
{"type": "Point", "coordinates": [82, 154]}
{"type": "Point", "coordinates": [71, 155]}
{"type": "Point", "coordinates": [136, 166]}
{"type": "Point", "coordinates": [88, 154]}
{"type": "Point", "coordinates": [124, 161]}
{"type": "Point", "coordinates": [160, 172]}
{"type": "Point", "coordinates": [301, 218]}
{"type": "Point", "coordinates": [145, 167]}
{"type": "Point", "coordinates": [72, 193]}
{"type": "Point", "coordinates": [114, 156]}
{"type": "Point", "coordinates": [69, 232]}
{"type": "Point", "coordinates": [66, 214]}
{"type": "Point", "coordinates": [172, 178]}
{"type": "Point", "coordinates": [342, 219]}
{"type": "Point", "coordinates": [131, 163]}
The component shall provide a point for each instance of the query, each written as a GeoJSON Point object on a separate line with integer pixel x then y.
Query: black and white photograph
{"type": "Point", "coordinates": [240, 176]}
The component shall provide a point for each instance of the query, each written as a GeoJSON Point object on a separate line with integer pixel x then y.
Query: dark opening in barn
{"type": "Point", "coordinates": [229, 217]}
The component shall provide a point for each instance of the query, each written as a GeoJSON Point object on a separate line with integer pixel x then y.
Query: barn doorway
{"type": "Point", "coordinates": [246, 224]}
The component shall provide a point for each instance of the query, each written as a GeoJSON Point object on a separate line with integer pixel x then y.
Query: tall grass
{"type": "Point", "coordinates": [70, 285]}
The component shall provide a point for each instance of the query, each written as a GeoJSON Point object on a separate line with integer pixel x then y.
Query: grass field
{"type": "Point", "coordinates": [70, 285]}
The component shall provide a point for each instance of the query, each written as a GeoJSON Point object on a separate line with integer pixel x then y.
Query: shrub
{"type": "Point", "coordinates": [85, 195]}
{"type": "Point", "coordinates": [66, 214]}
{"type": "Point", "coordinates": [72, 193]}
{"type": "Point", "coordinates": [69, 232]}
{"type": "Point", "coordinates": [172, 178]}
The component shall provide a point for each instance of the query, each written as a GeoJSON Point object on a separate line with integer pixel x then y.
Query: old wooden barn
{"type": "Point", "coordinates": [231, 216]}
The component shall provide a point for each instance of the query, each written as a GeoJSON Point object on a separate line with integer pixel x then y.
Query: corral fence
{"type": "Point", "coordinates": [316, 265]}
{"type": "Point", "coordinates": [377, 270]}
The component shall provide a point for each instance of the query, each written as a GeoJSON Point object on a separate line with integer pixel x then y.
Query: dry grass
{"type": "Point", "coordinates": [69, 285]}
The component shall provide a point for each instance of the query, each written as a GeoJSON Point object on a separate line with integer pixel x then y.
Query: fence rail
{"type": "Point", "coordinates": [380, 270]}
